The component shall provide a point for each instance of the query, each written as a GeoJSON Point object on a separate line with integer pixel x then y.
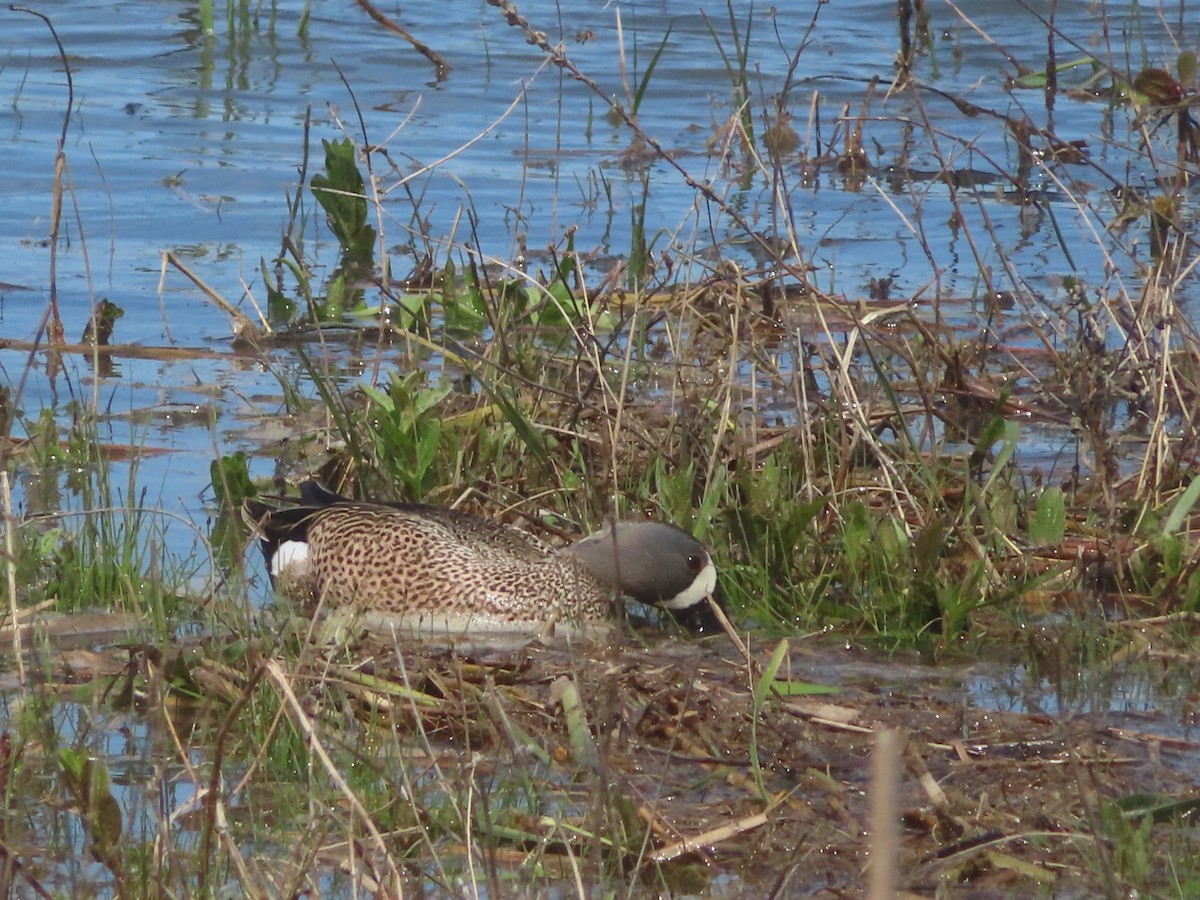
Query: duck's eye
{"type": "Point", "coordinates": [695, 562]}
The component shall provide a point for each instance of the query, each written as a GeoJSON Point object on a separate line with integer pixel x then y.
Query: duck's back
{"type": "Point", "coordinates": [438, 569]}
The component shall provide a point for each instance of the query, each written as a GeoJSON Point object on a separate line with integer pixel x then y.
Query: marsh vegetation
{"type": "Point", "coordinates": [916, 357]}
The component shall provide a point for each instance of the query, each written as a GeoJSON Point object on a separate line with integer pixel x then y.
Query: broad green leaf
{"type": "Point", "coordinates": [1049, 519]}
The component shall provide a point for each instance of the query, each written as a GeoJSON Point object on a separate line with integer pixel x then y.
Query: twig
{"type": "Point", "coordinates": [1161, 740]}
{"type": "Point", "coordinates": [729, 629]}
{"type": "Point", "coordinates": [8, 853]}
{"type": "Point", "coordinates": [442, 66]}
{"type": "Point", "coordinates": [708, 838]}
{"type": "Point", "coordinates": [126, 351]}
{"type": "Point", "coordinates": [583, 746]}
{"type": "Point", "coordinates": [240, 322]}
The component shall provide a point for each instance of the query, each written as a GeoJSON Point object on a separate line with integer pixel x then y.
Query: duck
{"type": "Point", "coordinates": [437, 570]}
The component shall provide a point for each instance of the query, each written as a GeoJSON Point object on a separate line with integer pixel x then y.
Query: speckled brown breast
{"type": "Point", "coordinates": [440, 568]}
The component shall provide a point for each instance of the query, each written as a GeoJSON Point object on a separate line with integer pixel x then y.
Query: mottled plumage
{"type": "Point", "coordinates": [440, 570]}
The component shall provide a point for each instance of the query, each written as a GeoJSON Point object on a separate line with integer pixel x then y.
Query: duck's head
{"type": "Point", "coordinates": [656, 564]}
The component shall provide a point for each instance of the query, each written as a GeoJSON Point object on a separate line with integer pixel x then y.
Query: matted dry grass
{"type": "Point", "coordinates": [634, 762]}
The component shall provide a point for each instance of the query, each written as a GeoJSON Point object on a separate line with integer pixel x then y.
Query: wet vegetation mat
{"type": "Point", "coordinates": [644, 767]}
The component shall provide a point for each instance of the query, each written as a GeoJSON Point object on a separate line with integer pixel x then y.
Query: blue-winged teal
{"type": "Point", "coordinates": [445, 571]}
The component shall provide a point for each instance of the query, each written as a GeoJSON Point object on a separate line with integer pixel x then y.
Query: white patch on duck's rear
{"type": "Point", "coordinates": [290, 560]}
{"type": "Point", "coordinates": [702, 586]}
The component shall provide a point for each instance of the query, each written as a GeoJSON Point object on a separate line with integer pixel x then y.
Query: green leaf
{"type": "Point", "coordinates": [530, 436]}
{"type": "Point", "coordinates": [1049, 523]}
{"type": "Point", "coordinates": [712, 500]}
{"type": "Point", "coordinates": [804, 689]}
{"type": "Point", "coordinates": [72, 762]}
{"type": "Point", "coordinates": [1186, 67]}
{"type": "Point", "coordinates": [644, 83]}
{"type": "Point", "coordinates": [231, 484]}
{"type": "Point", "coordinates": [1182, 507]}
{"type": "Point", "coordinates": [767, 681]}
{"type": "Point", "coordinates": [929, 547]}
{"type": "Point", "coordinates": [280, 307]}
{"type": "Point", "coordinates": [674, 488]}
{"type": "Point", "coordinates": [414, 310]}
{"type": "Point", "coordinates": [106, 823]}
{"type": "Point", "coordinates": [1039, 80]}
{"type": "Point", "coordinates": [857, 536]}
{"type": "Point", "coordinates": [230, 476]}
{"type": "Point", "coordinates": [1012, 433]}
{"type": "Point", "coordinates": [379, 397]}
{"type": "Point", "coordinates": [1161, 809]}
{"type": "Point", "coordinates": [341, 192]}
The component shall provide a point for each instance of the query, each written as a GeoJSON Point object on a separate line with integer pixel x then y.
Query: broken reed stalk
{"type": "Point", "coordinates": [10, 572]}
{"type": "Point", "coordinates": [54, 331]}
{"type": "Point", "coordinates": [240, 322]}
{"type": "Point", "coordinates": [884, 814]}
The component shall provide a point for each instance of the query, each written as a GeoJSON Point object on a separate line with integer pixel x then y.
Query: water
{"type": "Point", "coordinates": [188, 143]}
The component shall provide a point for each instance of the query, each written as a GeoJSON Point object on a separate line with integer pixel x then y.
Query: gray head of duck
{"type": "Point", "coordinates": [656, 564]}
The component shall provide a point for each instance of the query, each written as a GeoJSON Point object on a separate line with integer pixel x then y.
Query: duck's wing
{"type": "Point", "coordinates": [466, 528]}
{"type": "Point", "coordinates": [314, 493]}
{"type": "Point", "coordinates": [474, 534]}
{"type": "Point", "coordinates": [278, 523]}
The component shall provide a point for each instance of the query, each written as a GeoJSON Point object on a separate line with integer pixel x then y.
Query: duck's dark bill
{"type": "Point", "coordinates": [700, 618]}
